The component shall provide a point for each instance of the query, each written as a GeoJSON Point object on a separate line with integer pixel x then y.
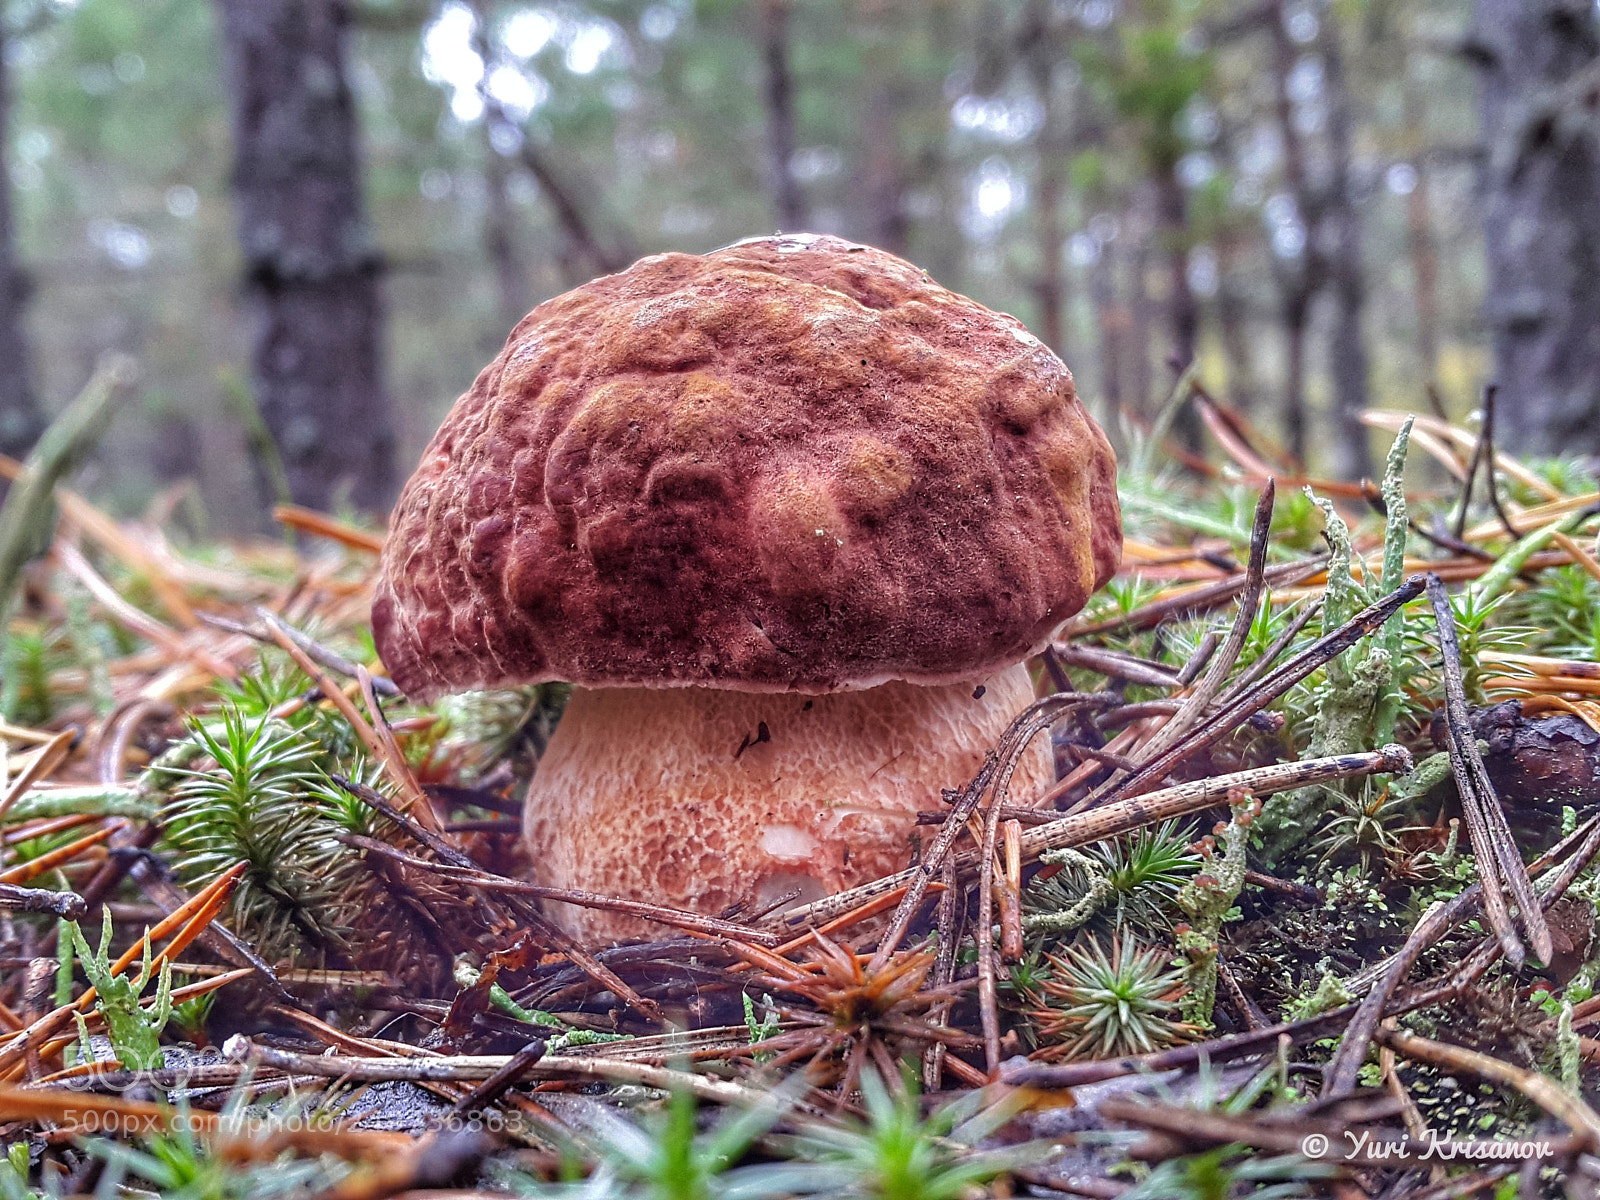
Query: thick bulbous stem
{"type": "Point", "coordinates": [700, 798]}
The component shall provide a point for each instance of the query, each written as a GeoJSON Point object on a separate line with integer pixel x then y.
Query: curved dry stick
{"type": "Point", "coordinates": [111, 746]}
{"type": "Point", "coordinates": [1499, 861]}
{"type": "Point", "coordinates": [1210, 685]}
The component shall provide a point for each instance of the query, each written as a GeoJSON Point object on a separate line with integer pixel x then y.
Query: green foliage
{"type": "Point", "coordinates": [1367, 824]}
{"type": "Point", "coordinates": [1330, 994]}
{"type": "Point", "coordinates": [1105, 1004]}
{"type": "Point", "coordinates": [263, 803]}
{"type": "Point", "coordinates": [180, 1166]}
{"type": "Point", "coordinates": [1208, 899]}
{"type": "Point", "coordinates": [1480, 634]}
{"type": "Point", "coordinates": [1362, 694]}
{"type": "Point", "coordinates": [91, 644]}
{"type": "Point", "coordinates": [275, 681]}
{"type": "Point", "coordinates": [1134, 879]}
{"type": "Point", "coordinates": [666, 1158]}
{"type": "Point", "coordinates": [1502, 574]}
{"type": "Point", "coordinates": [767, 1026]}
{"type": "Point", "coordinates": [897, 1154]}
{"type": "Point", "coordinates": [1561, 615]}
{"type": "Point", "coordinates": [1226, 1172]}
{"type": "Point", "coordinates": [1121, 596]}
{"type": "Point", "coordinates": [1395, 534]}
{"type": "Point", "coordinates": [273, 684]}
{"type": "Point", "coordinates": [135, 1031]}
{"type": "Point", "coordinates": [1571, 475]}
{"type": "Point", "coordinates": [1151, 74]}
{"type": "Point", "coordinates": [15, 1168]}
{"type": "Point", "coordinates": [478, 729]}
{"type": "Point", "coordinates": [1229, 1171]}
{"type": "Point", "coordinates": [30, 655]}
{"type": "Point", "coordinates": [190, 1017]}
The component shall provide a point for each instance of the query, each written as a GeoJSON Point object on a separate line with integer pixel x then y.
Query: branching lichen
{"type": "Point", "coordinates": [1331, 993]}
{"type": "Point", "coordinates": [1395, 533]}
{"type": "Point", "coordinates": [135, 1031]}
{"type": "Point", "coordinates": [1568, 1049]}
{"type": "Point", "coordinates": [1360, 701]}
{"type": "Point", "coordinates": [1208, 898]}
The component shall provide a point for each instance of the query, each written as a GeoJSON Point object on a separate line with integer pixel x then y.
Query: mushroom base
{"type": "Point", "coordinates": [699, 799]}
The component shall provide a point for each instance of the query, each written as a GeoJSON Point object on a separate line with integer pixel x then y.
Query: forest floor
{"type": "Point", "coordinates": [1310, 910]}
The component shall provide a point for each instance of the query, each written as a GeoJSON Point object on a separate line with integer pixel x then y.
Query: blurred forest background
{"type": "Point", "coordinates": [313, 221]}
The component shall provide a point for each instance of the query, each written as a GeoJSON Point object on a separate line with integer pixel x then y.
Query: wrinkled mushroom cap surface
{"type": "Point", "coordinates": [795, 463]}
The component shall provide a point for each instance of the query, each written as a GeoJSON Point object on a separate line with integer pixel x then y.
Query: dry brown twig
{"type": "Point", "coordinates": [1544, 1091]}
{"type": "Point", "coordinates": [1123, 816]}
{"type": "Point", "coordinates": [1499, 861]}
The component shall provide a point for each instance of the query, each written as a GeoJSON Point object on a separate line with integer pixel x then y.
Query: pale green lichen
{"type": "Point", "coordinates": [1331, 993]}
{"type": "Point", "coordinates": [1360, 702]}
{"type": "Point", "coordinates": [1395, 534]}
{"type": "Point", "coordinates": [1568, 1050]}
{"type": "Point", "coordinates": [1208, 899]}
{"type": "Point", "coordinates": [466, 975]}
{"type": "Point", "coordinates": [135, 1031]}
{"type": "Point", "coordinates": [1100, 892]}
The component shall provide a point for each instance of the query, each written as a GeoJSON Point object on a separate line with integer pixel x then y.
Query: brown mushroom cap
{"type": "Point", "coordinates": [794, 464]}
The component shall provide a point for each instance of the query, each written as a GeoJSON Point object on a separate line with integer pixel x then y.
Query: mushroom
{"type": "Point", "coordinates": [791, 517]}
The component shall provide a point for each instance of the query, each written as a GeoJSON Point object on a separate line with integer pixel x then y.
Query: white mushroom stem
{"type": "Point", "coordinates": [700, 798]}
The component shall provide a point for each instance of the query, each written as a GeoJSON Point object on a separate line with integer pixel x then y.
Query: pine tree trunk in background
{"type": "Point", "coordinates": [883, 174]}
{"type": "Point", "coordinates": [1042, 49]}
{"type": "Point", "coordinates": [1419, 237]}
{"type": "Point", "coordinates": [1141, 325]}
{"type": "Point", "coordinates": [1542, 219]}
{"type": "Point", "coordinates": [311, 269]}
{"type": "Point", "coordinates": [1298, 279]}
{"type": "Point", "coordinates": [788, 198]}
{"type": "Point", "coordinates": [500, 244]}
{"type": "Point", "coordinates": [1113, 322]}
{"type": "Point", "coordinates": [499, 219]}
{"type": "Point", "coordinates": [1296, 323]}
{"type": "Point", "coordinates": [1049, 288]}
{"type": "Point", "coordinates": [20, 419]}
{"type": "Point", "coordinates": [1233, 320]}
{"type": "Point", "coordinates": [1347, 350]}
{"type": "Point", "coordinates": [1183, 312]}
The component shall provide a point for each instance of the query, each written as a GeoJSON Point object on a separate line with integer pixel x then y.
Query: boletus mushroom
{"type": "Point", "coordinates": [791, 517]}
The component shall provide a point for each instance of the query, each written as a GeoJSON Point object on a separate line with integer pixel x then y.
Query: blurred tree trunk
{"type": "Point", "coordinates": [1419, 236]}
{"type": "Point", "coordinates": [1113, 321]}
{"type": "Point", "coordinates": [1540, 63]}
{"type": "Point", "coordinates": [1049, 287]}
{"type": "Point", "coordinates": [1298, 276]}
{"type": "Point", "coordinates": [1183, 311]}
{"type": "Point", "coordinates": [1347, 350]}
{"type": "Point", "coordinates": [1296, 316]}
{"type": "Point", "coordinates": [1233, 324]}
{"type": "Point", "coordinates": [1141, 325]}
{"type": "Point", "coordinates": [788, 197]}
{"type": "Point", "coordinates": [311, 268]}
{"type": "Point", "coordinates": [1040, 45]}
{"type": "Point", "coordinates": [499, 238]}
{"type": "Point", "coordinates": [20, 418]}
{"type": "Point", "coordinates": [883, 181]}
{"type": "Point", "coordinates": [499, 220]}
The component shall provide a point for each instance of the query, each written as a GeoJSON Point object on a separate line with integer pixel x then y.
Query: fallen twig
{"type": "Point", "coordinates": [1124, 816]}
{"type": "Point", "coordinates": [1547, 1093]}
{"type": "Point", "coordinates": [1499, 862]}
